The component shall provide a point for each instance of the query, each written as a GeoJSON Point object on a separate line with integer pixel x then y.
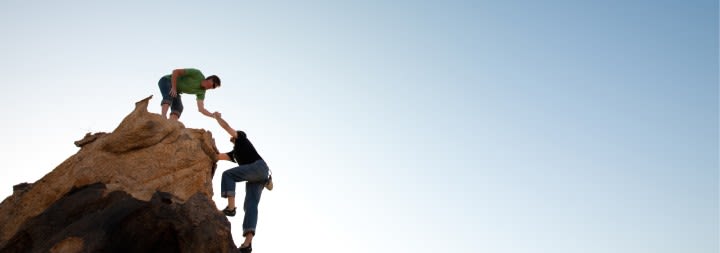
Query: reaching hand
{"type": "Point", "coordinates": [173, 92]}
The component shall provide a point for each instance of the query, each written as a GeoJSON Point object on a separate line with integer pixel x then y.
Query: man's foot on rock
{"type": "Point", "coordinates": [229, 212]}
{"type": "Point", "coordinates": [245, 249]}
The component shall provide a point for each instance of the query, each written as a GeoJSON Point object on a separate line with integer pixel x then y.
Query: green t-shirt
{"type": "Point", "coordinates": [190, 83]}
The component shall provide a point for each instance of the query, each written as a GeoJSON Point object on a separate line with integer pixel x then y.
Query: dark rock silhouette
{"type": "Point", "coordinates": [145, 187]}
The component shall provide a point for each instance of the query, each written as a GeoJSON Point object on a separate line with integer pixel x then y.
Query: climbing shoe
{"type": "Point", "coordinates": [247, 249]}
{"type": "Point", "coordinates": [229, 212]}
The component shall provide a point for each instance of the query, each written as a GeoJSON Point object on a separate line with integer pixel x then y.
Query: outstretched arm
{"type": "Point", "coordinates": [201, 109]}
{"type": "Point", "coordinates": [225, 125]}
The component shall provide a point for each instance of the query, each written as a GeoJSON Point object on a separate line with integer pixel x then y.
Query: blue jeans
{"type": "Point", "coordinates": [175, 103]}
{"type": "Point", "coordinates": [256, 174]}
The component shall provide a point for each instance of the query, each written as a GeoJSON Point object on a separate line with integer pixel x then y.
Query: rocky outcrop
{"type": "Point", "coordinates": [145, 187]}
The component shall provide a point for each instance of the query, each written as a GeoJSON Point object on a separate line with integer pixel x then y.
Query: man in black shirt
{"type": "Point", "coordinates": [251, 168]}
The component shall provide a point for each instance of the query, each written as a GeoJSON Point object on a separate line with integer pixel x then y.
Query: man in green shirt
{"type": "Point", "coordinates": [189, 81]}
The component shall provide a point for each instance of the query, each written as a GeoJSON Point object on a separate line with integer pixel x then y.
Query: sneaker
{"type": "Point", "coordinates": [247, 249]}
{"type": "Point", "coordinates": [269, 184]}
{"type": "Point", "coordinates": [229, 212]}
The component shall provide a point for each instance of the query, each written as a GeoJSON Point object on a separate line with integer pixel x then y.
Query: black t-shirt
{"type": "Point", "coordinates": [243, 152]}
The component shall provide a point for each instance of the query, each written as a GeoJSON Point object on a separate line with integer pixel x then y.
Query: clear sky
{"type": "Point", "coordinates": [405, 126]}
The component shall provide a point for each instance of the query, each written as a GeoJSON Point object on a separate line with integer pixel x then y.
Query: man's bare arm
{"type": "Point", "coordinates": [225, 125]}
{"type": "Point", "coordinates": [173, 80]}
{"type": "Point", "coordinates": [223, 156]}
{"type": "Point", "coordinates": [201, 109]}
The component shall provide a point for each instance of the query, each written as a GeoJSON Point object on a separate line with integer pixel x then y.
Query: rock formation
{"type": "Point", "coordinates": [145, 187]}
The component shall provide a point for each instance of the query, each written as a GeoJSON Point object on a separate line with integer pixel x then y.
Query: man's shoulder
{"type": "Point", "coordinates": [194, 72]}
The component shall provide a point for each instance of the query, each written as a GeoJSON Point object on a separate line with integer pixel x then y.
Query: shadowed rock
{"type": "Point", "coordinates": [145, 187]}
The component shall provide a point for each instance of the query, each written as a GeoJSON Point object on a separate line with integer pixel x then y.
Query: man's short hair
{"type": "Point", "coordinates": [215, 79]}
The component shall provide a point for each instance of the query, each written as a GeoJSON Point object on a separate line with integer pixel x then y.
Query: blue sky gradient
{"type": "Point", "coordinates": [405, 126]}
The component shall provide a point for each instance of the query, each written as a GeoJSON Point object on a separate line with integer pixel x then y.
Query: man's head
{"type": "Point", "coordinates": [214, 82]}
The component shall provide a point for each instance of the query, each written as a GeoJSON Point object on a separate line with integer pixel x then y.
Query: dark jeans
{"type": "Point", "coordinates": [175, 103]}
{"type": "Point", "coordinates": [256, 175]}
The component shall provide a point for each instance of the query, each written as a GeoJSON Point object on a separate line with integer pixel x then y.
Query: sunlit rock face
{"type": "Point", "coordinates": [145, 187]}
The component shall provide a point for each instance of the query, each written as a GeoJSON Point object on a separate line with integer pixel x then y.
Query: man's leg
{"type": "Point", "coordinates": [177, 108]}
{"type": "Point", "coordinates": [165, 109]}
{"type": "Point", "coordinates": [231, 202]}
{"type": "Point", "coordinates": [230, 177]}
{"type": "Point", "coordinates": [164, 85]}
{"type": "Point", "coordinates": [247, 243]}
{"type": "Point", "coordinates": [227, 190]}
{"type": "Point", "coordinates": [248, 240]}
{"type": "Point", "coordinates": [227, 187]}
{"type": "Point", "coordinates": [253, 190]}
